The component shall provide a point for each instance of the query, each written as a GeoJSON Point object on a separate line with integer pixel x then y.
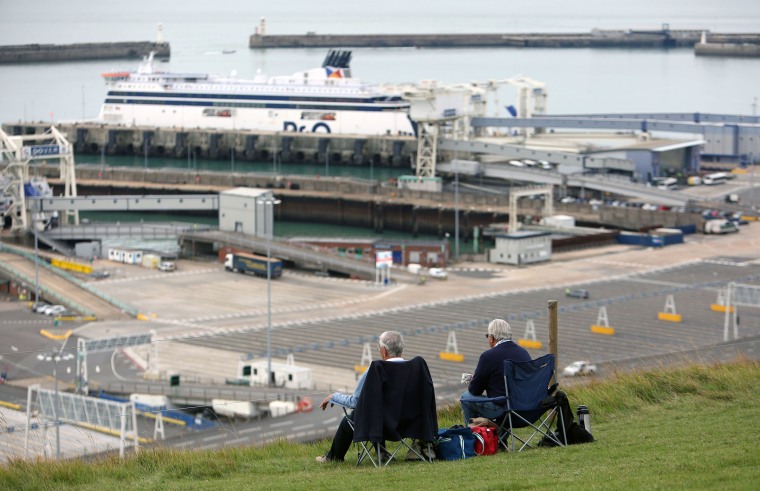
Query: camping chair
{"type": "Point", "coordinates": [528, 398]}
{"type": "Point", "coordinates": [397, 404]}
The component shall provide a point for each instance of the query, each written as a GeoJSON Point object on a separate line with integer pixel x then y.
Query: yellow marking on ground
{"type": "Point", "coordinates": [455, 357]}
{"type": "Point", "coordinates": [360, 368]}
{"type": "Point", "coordinates": [166, 419]}
{"type": "Point", "coordinates": [607, 331]}
{"type": "Point", "coordinates": [109, 431]}
{"type": "Point", "coordinates": [665, 316]}
{"type": "Point", "coordinates": [10, 405]}
{"type": "Point", "coordinates": [529, 343]}
{"type": "Point", "coordinates": [719, 308]}
{"type": "Point", "coordinates": [56, 337]}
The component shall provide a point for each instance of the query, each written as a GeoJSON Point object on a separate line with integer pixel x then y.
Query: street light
{"type": "Point", "coordinates": [456, 216]}
{"type": "Point", "coordinates": [55, 357]}
{"type": "Point", "coordinates": [35, 218]}
{"type": "Point", "coordinates": [268, 230]}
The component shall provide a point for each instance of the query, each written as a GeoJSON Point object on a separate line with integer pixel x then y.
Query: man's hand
{"type": "Point", "coordinates": [325, 402]}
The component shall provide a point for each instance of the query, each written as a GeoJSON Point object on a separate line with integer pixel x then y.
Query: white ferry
{"type": "Point", "coordinates": [321, 100]}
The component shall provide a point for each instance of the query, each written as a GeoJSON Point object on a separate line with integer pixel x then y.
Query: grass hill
{"type": "Point", "coordinates": [687, 428]}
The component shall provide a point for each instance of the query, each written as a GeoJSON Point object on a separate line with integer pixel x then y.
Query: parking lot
{"type": "Point", "coordinates": [324, 322]}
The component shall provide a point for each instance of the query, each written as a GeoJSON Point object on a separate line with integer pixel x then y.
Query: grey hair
{"type": "Point", "coordinates": [393, 342]}
{"type": "Point", "coordinates": [500, 329]}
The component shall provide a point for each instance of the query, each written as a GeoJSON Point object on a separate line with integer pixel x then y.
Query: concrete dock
{"type": "Point", "coordinates": [597, 38]}
{"type": "Point", "coordinates": [248, 145]}
{"type": "Point", "coordinates": [34, 53]}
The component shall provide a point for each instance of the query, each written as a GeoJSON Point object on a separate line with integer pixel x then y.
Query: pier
{"type": "Point", "coordinates": [35, 53]}
{"type": "Point", "coordinates": [597, 38]}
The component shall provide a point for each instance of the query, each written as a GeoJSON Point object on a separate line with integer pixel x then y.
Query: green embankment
{"type": "Point", "coordinates": [689, 428]}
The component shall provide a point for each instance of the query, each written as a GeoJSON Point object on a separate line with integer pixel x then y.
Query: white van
{"type": "Point", "coordinates": [668, 184]}
{"type": "Point", "coordinates": [713, 179]}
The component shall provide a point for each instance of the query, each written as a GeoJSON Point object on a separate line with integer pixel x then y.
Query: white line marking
{"type": "Point", "coordinates": [216, 437]}
{"type": "Point", "coordinates": [284, 423]}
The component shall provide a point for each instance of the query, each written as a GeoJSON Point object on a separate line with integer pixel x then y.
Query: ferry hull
{"type": "Point", "coordinates": [374, 123]}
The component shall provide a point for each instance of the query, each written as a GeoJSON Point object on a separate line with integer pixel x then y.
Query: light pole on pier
{"type": "Point", "coordinates": [456, 215]}
{"type": "Point", "coordinates": [35, 220]}
{"type": "Point", "coordinates": [268, 204]}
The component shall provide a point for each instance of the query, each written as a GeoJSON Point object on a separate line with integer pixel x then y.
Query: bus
{"type": "Point", "coordinates": [713, 179]}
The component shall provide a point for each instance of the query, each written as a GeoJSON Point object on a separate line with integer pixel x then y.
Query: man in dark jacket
{"type": "Point", "coordinates": [489, 374]}
{"type": "Point", "coordinates": [391, 347]}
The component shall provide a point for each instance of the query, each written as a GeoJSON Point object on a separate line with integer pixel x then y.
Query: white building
{"type": "Point", "coordinates": [244, 210]}
{"type": "Point", "coordinates": [522, 247]}
{"type": "Point", "coordinates": [284, 375]}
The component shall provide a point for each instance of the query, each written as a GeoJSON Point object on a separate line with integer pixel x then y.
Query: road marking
{"type": "Point", "coordinates": [330, 421]}
{"type": "Point", "coordinates": [298, 428]}
{"type": "Point", "coordinates": [215, 437]}
{"type": "Point", "coordinates": [284, 423]}
{"type": "Point", "coordinates": [249, 430]}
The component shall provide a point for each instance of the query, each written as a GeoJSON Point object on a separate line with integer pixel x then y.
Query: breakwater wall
{"type": "Point", "coordinates": [33, 53]}
{"type": "Point", "coordinates": [597, 38]}
{"type": "Point", "coordinates": [244, 145]}
{"type": "Point", "coordinates": [727, 49]}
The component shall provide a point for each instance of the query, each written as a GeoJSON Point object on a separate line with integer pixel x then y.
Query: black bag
{"type": "Point", "coordinates": [575, 432]}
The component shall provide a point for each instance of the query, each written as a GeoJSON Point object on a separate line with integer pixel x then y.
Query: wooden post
{"type": "Point", "coordinates": [552, 306]}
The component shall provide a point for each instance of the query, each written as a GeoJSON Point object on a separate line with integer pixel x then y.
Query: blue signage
{"type": "Point", "coordinates": [43, 150]}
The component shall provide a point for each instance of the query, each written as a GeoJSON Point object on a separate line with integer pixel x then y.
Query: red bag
{"type": "Point", "coordinates": [488, 443]}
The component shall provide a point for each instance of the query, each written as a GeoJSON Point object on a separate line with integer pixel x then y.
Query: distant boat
{"type": "Point", "coordinates": [228, 51]}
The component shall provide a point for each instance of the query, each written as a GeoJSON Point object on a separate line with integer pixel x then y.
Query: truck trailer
{"type": "Point", "coordinates": [240, 262]}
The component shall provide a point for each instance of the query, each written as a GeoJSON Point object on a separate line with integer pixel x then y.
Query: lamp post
{"type": "Point", "coordinates": [35, 218]}
{"type": "Point", "coordinates": [752, 181]}
{"type": "Point", "coordinates": [55, 357]}
{"type": "Point", "coordinates": [456, 216]}
{"type": "Point", "coordinates": [269, 203]}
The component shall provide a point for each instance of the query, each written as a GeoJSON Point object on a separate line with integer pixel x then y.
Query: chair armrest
{"type": "Point", "coordinates": [497, 400]}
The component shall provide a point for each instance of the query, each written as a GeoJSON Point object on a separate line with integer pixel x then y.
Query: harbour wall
{"type": "Point", "coordinates": [33, 53]}
{"type": "Point", "coordinates": [597, 38]}
{"type": "Point", "coordinates": [727, 49]}
{"type": "Point", "coordinates": [257, 146]}
{"type": "Point", "coordinates": [361, 203]}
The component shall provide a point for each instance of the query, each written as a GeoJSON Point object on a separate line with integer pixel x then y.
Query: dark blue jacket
{"type": "Point", "coordinates": [489, 374]}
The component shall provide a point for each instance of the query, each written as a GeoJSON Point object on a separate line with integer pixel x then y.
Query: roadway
{"type": "Point", "coordinates": [56, 288]}
{"type": "Point", "coordinates": [574, 177]}
{"type": "Point", "coordinates": [298, 254]}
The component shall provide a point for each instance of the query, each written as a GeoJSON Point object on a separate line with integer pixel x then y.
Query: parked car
{"type": "Point", "coordinates": [167, 266]}
{"type": "Point", "coordinates": [439, 273]}
{"type": "Point", "coordinates": [576, 293]}
{"type": "Point", "coordinates": [100, 275]}
{"type": "Point", "coordinates": [39, 307]}
{"type": "Point", "coordinates": [579, 368]}
{"type": "Point", "coordinates": [54, 310]}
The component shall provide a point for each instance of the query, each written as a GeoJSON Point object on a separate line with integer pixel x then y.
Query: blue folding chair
{"type": "Point", "coordinates": [529, 403]}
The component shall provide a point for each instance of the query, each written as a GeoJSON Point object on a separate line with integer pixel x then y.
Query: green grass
{"type": "Point", "coordinates": [688, 428]}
